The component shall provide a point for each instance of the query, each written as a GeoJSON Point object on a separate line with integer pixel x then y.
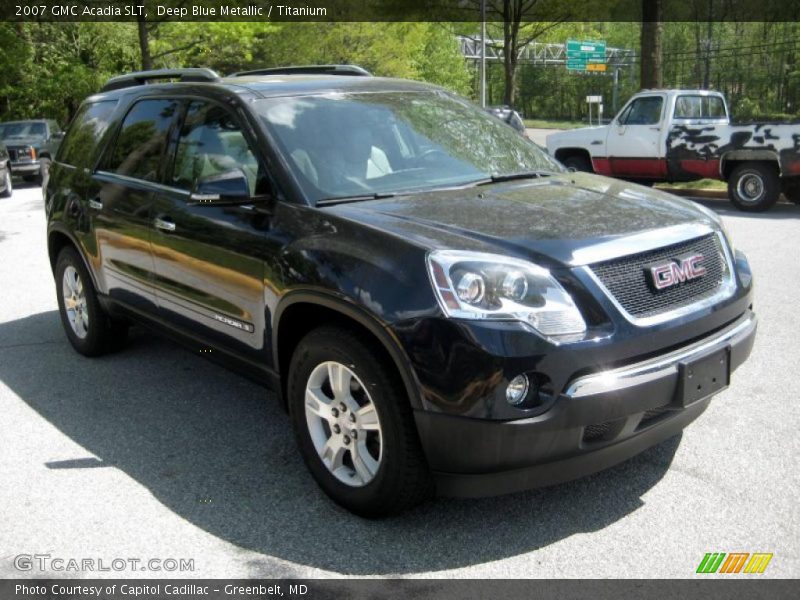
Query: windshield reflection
{"type": "Point", "coordinates": [362, 144]}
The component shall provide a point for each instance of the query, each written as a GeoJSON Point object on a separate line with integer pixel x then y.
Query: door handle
{"type": "Point", "coordinates": [656, 128]}
{"type": "Point", "coordinates": [95, 204]}
{"type": "Point", "coordinates": [164, 225]}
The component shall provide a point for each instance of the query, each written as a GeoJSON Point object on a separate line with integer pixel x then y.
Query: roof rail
{"type": "Point", "coordinates": [309, 70]}
{"type": "Point", "coordinates": [143, 77]}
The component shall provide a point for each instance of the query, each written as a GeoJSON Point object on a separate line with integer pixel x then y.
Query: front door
{"type": "Point", "coordinates": [209, 262]}
{"type": "Point", "coordinates": [634, 145]}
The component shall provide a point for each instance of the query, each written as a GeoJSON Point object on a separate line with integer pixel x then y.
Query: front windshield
{"type": "Point", "coordinates": [354, 144]}
{"type": "Point", "coordinates": [22, 130]}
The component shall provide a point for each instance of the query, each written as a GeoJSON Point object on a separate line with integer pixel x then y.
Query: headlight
{"type": "Point", "coordinates": [475, 285]}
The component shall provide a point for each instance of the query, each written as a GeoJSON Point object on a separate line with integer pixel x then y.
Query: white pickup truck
{"type": "Point", "coordinates": [685, 135]}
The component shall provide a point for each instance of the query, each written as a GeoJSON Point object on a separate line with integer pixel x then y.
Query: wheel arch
{"type": "Point", "coordinates": [57, 240]}
{"type": "Point", "coordinates": [301, 312]}
{"type": "Point", "coordinates": [730, 160]}
{"type": "Point", "coordinates": [564, 153]}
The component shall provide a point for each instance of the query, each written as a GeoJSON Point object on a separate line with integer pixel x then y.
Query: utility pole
{"type": "Point", "coordinates": [483, 55]}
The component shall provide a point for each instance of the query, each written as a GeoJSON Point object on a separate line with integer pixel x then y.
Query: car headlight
{"type": "Point", "coordinates": [476, 285]}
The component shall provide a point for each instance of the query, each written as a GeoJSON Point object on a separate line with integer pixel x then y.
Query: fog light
{"type": "Point", "coordinates": [517, 390]}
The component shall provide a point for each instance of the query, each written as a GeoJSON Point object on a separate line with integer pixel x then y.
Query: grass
{"type": "Point", "coordinates": [542, 124]}
{"type": "Point", "coordinates": [703, 184]}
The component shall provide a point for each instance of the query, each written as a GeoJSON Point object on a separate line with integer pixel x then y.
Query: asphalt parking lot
{"type": "Point", "coordinates": [155, 453]}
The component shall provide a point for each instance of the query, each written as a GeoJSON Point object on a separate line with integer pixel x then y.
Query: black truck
{"type": "Point", "coordinates": [439, 305]}
{"type": "Point", "coordinates": [32, 145]}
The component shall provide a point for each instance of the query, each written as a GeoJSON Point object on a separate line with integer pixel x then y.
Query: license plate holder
{"type": "Point", "coordinates": [704, 376]}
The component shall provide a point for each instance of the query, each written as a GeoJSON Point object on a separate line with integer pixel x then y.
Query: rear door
{"type": "Point", "coordinates": [122, 207]}
{"type": "Point", "coordinates": [209, 262]}
{"type": "Point", "coordinates": [634, 144]}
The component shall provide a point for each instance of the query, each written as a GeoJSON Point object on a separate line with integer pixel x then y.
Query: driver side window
{"type": "Point", "coordinates": [211, 143]}
{"type": "Point", "coordinates": [643, 111]}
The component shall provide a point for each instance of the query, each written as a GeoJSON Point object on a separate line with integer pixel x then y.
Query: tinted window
{"type": "Point", "coordinates": [80, 143]}
{"type": "Point", "coordinates": [643, 111]}
{"type": "Point", "coordinates": [139, 149]}
{"type": "Point", "coordinates": [211, 143]}
{"type": "Point", "coordinates": [699, 107]}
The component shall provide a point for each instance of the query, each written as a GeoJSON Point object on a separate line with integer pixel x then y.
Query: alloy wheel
{"type": "Point", "coordinates": [343, 424]}
{"type": "Point", "coordinates": [75, 302]}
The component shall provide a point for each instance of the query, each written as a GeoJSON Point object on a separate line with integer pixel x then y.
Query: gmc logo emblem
{"type": "Point", "coordinates": [668, 274]}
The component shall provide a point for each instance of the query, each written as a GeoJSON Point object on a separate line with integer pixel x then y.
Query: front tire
{"type": "Point", "coordinates": [9, 186]}
{"type": "Point", "coordinates": [354, 424]}
{"type": "Point", "coordinates": [579, 162]}
{"type": "Point", "coordinates": [89, 329]}
{"type": "Point", "coordinates": [44, 171]}
{"type": "Point", "coordinates": [754, 186]}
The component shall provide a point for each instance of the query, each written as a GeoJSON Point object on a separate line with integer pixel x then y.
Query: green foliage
{"type": "Point", "coordinates": [47, 69]}
{"type": "Point", "coordinates": [425, 51]}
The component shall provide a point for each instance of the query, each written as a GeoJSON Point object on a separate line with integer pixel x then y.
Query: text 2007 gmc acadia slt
{"type": "Point", "coordinates": [440, 305]}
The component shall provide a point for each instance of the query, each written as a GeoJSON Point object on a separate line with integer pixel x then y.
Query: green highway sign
{"type": "Point", "coordinates": [586, 55]}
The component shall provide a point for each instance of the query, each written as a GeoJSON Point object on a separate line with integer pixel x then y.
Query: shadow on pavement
{"type": "Point", "coordinates": [217, 450]}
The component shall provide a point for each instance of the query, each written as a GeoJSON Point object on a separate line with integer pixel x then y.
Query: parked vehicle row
{"type": "Point", "coordinates": [31, 146]}
{"type": "Point", "coordinates": [686, 135]}
{"type": "Point", "coordinates": [439, 305]}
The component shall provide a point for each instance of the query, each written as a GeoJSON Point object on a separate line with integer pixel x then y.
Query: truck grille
{"type": "Point", "coordinates": [627, 281]}
{"type": "Point", "coordinates": [12, 154]}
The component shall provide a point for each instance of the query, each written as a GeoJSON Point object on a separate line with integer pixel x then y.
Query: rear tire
{"type": "Point", "coordinates": [89, 329]}
{"type": "Point", "coordinates": [9, 186]}
{"type": "Point", "coordinates": [754, 186]}
{"type": "Point", "coordinates": [579, 162]}
{"type": "Point", "coordinates": [382, 469]}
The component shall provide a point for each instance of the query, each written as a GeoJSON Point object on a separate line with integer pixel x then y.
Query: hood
{"type": "Point", "coordinates": [568, 219]}
{"type": "Point", "coordinates": [580, 137]}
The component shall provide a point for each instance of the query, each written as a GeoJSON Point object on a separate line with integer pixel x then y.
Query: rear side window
{"type": "Point", "coordinates": [139, 149]}
{"type": "Point", "coordinates": [699, 107]}
{"type": "Point", "coordinates": [79, 146]}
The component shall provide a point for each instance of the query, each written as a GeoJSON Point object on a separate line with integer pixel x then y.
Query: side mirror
{"type": "Point", "coordinates": [230, 187]}
{"type": "Point", "coordinates": [58, 135]}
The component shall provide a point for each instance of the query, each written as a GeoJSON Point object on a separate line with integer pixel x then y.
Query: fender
{"type": "Point", "coordinates": [745, 154]}
{"type": "Point", "coordinates": [57, 227]}
{"type": "Point", "coordinates": [353, 311]}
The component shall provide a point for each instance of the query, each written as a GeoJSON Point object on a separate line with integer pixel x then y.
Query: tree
{"type": "Point", "coordinates": [520, 22]}
{"type": "Point", "coordinates": [652, 30]}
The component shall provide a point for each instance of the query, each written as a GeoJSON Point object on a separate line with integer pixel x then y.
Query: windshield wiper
{"type": "Point", "coordinates": [355, 198]}
{"type": "Point", "coordinates": [499, 177]}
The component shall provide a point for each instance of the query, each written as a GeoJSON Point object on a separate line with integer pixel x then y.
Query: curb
{"type": "Point", "coordinates": [697, 193]}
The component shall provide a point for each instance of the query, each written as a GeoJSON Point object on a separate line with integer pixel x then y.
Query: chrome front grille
{"type": "Point", "coordinates": [626, 279]}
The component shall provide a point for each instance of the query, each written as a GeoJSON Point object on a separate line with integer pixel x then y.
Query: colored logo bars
{"type": "Point", "coordinates": [735, 562]}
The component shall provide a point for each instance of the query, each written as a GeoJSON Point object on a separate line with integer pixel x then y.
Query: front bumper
{"type": "Point", "coordinates": [598, 420]}
{"type": "Point", "coordinates": [25, 167]}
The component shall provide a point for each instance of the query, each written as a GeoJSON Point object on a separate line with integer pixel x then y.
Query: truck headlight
{"type": "Point", "coordinates": [476, 285]}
